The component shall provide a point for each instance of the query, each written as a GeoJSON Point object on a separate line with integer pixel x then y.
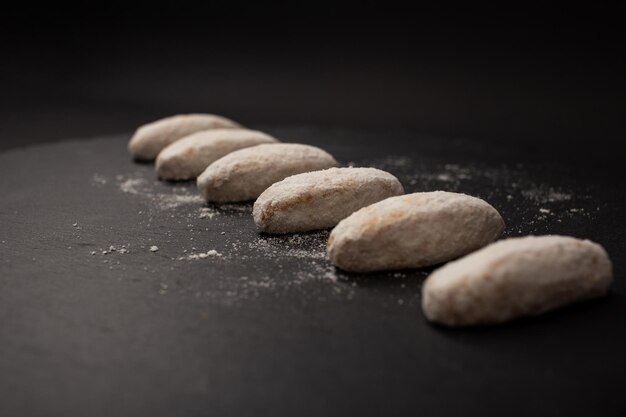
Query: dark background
{"type": "Point", "coordinates": [547, 79]}
{"type": "Point", "coordinates": [537, 85]}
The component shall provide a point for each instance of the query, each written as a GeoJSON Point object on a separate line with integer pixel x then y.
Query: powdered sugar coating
{"type": "Point", "coordinates": [413, 231]}
{"type": "Point", "coordinates": [514, 278]}
{"type": "Point", "coordinates": [244, 174]}
{"type": "Point", "coordinates": [320, 199]}
{"type": "Point", "coordinates": [151, 138]}
{"type": "Point", "coordinates": [188, 157]}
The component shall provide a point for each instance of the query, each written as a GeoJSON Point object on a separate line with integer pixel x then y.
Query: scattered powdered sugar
{"type": "Point", "coordinates": [321, 271]}
{"type": "Point", "coordinates": [172, 201]}
{"type": "Point", "coordinates": [98, 180]}
{"type": "Point", "coordinates": [527, 205]}
{"type": "Point", "coordinates": [543, 194]}
{"type": "Point", "coordinates": [111, 249]}
{"type": "Point", "coordinates": [200, 255]}
{"type": "Point", "coordinates": [132, 185]}
{"type": "Point", "coordinates": [303, 246]}
{"type": "Point", "coordinates": [313, 282]}
{"type": "Point", "coordinates": [236, 207]}
{"type": "Point", "coordinates": [207, 213]}
{"type": "Point", "coordinates": [171, 198]}
{"type": "Point", "coordinates": [297, 264]}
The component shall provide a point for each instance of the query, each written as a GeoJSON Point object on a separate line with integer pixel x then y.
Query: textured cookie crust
{"type": "Point", "coordinates": [320, 199]}
{"type": "Point", "coordinates": [514, 278]}
{"type": "Point", "coordinates": [244, 174]}
{"type": "Point", "coordinates": [413, 231]}
{"type": "Point", "coordinates": [151, 138]}
{"type": "Point", "coordinates": [188, 157]}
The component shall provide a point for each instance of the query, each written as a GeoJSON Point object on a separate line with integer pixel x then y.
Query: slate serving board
{"type": "Point", "coordinates": [92, 322]}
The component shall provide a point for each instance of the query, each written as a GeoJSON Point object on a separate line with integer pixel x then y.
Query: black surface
{"type": "Point", "coordinates": [550, 78]}
{"type": "Point", "coordinates": [148, 334]}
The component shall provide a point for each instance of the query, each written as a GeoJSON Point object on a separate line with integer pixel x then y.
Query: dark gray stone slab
{"type": "Point", "coordinates": [268, 327]}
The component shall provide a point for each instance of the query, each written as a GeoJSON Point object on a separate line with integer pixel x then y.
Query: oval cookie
{"type": "Point", "coordinates": [320, 199]}
{"type": "Point", "coordinates": [514, 278]}
{"type": "Point", "coordinates": [413, 231]}
{"type": "Point", "coordinates": [244, 174]}
{"type": "Point", "coordinates": [151, 138]}
{"type": "Point", "coordinates": [186, 158]}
